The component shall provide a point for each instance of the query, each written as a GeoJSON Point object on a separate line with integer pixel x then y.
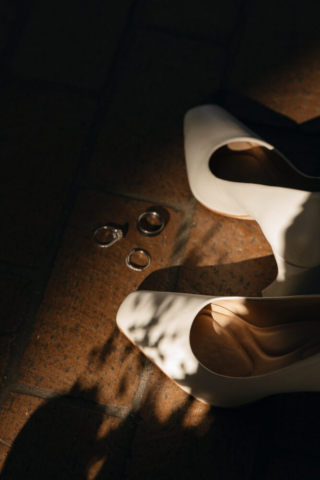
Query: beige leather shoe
{"type": "Point", "coordinates": [228, 351]}
{"type": "Point", "coordinates": [234, 172]}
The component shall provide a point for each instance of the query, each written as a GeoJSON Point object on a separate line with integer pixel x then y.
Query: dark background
{"type": "Point", "coordinates": [93, 95]}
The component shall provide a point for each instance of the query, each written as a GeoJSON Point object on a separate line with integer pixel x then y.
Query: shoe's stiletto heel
{"type": "Point", "coordinates": [234, 172]}
{"type": "Point", "coordinates": [228, 351]}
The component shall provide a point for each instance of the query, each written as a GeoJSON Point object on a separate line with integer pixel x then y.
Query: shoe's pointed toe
{"type": "Point", "coordinates": [159, 324]}
{"type": "Point", "coordinates": [148, 314]}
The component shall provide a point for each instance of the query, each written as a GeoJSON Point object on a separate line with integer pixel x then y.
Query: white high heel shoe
{"type": "Point", "coordinates": [228, 351]}
{"type": "Point", "coordinates": [234, 172]}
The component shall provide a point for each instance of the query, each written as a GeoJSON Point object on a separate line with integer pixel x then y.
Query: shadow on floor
{"type": "Point", "coordinates": [61, 442]}
{"type": "Point", "coordinates": [172, 436]}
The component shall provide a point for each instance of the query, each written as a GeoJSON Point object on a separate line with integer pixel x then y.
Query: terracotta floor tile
{"type": "Point", "coordinates": [75, 338]}
{"type": "Point", "coordinates": [225, 256]}
{"type": "Point", "coordinates": [43, 134]}
{"type": "Point", "coordinates": [278, 62]}
{"type": "Point", "coordinates": [214, 20]}
{"type": "Point", "coordinates": [188, 439]}
{"type": "Point", "coordinates": [57, 440]}
{"type": "Point", "coordinates": [298, 423]}
{"type": "Point", "coordinates": [140, 149]}
{"type": "Point", "coordinates": [68, 44]}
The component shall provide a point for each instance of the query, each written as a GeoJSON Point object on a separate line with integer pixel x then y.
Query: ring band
{"type": "Point", "coordinates": [156, 229]}
{"type": "Point", "coordinates": [134, 266]}
{"type": "Point", "coordinates": [116, 234]}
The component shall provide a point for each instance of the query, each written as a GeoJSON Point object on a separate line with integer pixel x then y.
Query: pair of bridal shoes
{"type": "Point", "coordinates": [231, 351]}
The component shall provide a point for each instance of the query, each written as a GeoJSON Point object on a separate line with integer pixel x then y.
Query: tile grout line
{"type": "Point", "coordinates": [5, 444]}
{"type": "Point", "coordinates": [133, 417]}
{"type": "Point", "coordinates": [175, 205]}
{"type": "Point", "coordinates": [142, 387]}
{"type": "Point", "coordinates": [23, 334]}
{"type": "Point", "coordinates": [92, 405]}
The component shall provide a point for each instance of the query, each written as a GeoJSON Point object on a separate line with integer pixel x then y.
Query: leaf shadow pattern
{"type": "Point", "coordinates": [64, 441]}
{"type": "Point", "coordinates": [172, 435]}
{"type": "Point", "coordinates": [64, 438]}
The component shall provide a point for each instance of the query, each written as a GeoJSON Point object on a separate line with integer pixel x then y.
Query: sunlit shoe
{"type": "Point", "coordinates": [228, 351]}
{"type": "Point", "coordinates": [234, 172]}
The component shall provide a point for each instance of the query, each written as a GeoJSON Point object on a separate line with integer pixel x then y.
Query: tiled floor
{"type": "Point", "coordinates": [93, 98]}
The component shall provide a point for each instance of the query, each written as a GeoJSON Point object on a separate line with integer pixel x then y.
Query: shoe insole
{"type": "Point", "coordinates": [254, 164]}
{"type": "Point", "coordinates": [228, 345]}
